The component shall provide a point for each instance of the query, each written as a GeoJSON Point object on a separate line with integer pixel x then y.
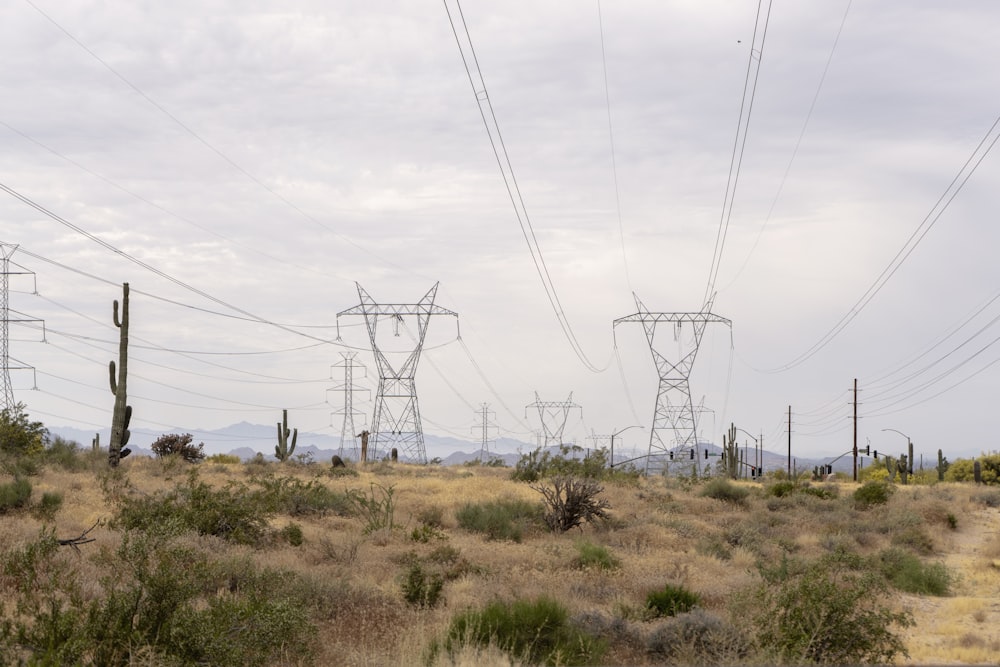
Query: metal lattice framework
{"type": "Point", "coordinates": [674, 410]}
{"type": "Point", "coordinates": [553, 416]}
{"type": "Point", "coordinates": [9, 364]}
{"type": "Point", "coordinates": [348, 438]}
{"type": "Point", "coordinates": [396, 421]}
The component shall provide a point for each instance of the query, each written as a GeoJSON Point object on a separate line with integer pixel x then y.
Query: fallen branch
{"type": "Point", "coordinates": [82, 538]}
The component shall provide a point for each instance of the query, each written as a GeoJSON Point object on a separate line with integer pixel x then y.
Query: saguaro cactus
{"type": "Point", "coordinates": [122, 414]}
{"type": "Point", "coordinates": [904, 468]}
{"type": "Point", "coordinates": [909, 452]}
{"type": "Point", "coordinates": [730, 453]}
{"type": "Point", "coordinates": [977, 472]}
{"type": "Point", "coordinates": [942, 466]}
{"type": "Point", "coordinates": [890, 466]}
{"type": "Point", "coordinates": [284, 449]}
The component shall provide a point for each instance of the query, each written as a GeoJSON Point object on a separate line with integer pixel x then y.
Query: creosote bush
{"type": "Point", "coordinates": [14, 495]}
{"type": "Point", "coordinates": [537, 632]}
{"type": "Point", "coordinates": [908, 573]}
{"type": "Point", "coordinates": [724, 490]}
{"type": "Point", "coordinates": [671, 600]}
{"type": "Point", "coordinates": [504, 519]}
{"type": "Point", "coordinates": [590, 555]}
{"type": "Point", "coordinates": [170, 444]}
{"type": "Point", "coordinates": [872, 493]}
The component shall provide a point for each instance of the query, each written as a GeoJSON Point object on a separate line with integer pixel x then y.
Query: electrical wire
{"type": "Point", "coordinates": [492, 126]}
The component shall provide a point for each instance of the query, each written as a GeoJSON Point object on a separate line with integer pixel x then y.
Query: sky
{"type": "Point", "coordinates": [244, 166]}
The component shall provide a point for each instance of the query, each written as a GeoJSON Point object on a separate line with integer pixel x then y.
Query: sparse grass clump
{"type": "Point", "coordinates": [504, 519]}
{"type": "Point", "coordinates": [536, 631]}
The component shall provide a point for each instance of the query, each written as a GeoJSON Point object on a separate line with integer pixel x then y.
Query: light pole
{"type": "Point", "coordinates": [756, 445]}
{"type": "Point", "coordinates": [909, 447]}
{"type": "Point", "coordinates": [613, 441]}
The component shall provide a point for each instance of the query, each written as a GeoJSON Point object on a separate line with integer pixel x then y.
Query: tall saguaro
{"type": "Point", "coordinates": [396, 422]}
{"type": "Point", "coordinates": [122, 414]}
{"type": "Point", "coordinates": [674, 410]}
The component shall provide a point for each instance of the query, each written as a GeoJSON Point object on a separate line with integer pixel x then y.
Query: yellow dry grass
{"type": "Point", "coordinates": [660, 531]}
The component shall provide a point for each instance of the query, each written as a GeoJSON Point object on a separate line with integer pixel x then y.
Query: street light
{"type": "Point", "coordinates": [909, 447]}
{"type": "Point", "coordinates": [613, 441]}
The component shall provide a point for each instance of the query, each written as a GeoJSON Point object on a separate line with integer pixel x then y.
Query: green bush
{"type": "Point", "coordinates": [223, 459]}
{"type": "Point", "coordinates": [292, 496]}
{"type": "Point", "coordinates": [829, 611]}
{"type": "Point", "coordinates": [292, 533]}
{"type": "Point", "coordinates": [14, 495]}
{"type": "Point", "coordinates": [781, 488]}
{"type": "Point", "coordinates": [234, 513]}
{"type": "Point", "coordinates": [722, 489]}
{"type": "Point", "coordinates": [594, 464]}
{"type": "Point", "coordinates": [871, 494]}
{"type": "Point", "coordinates": [671, 600]}
{"type": "Point", "coordinates": [47, 507]}
{"type": "Point", "coordinates": [590, 555]}
{"type": "Point", "coordinates": [536, 632]}
{"type": "Point", "coordinates": [171, 444]}
{"type": "Point", "coordinates": [19, 435]}
{"type": "Point", "coordinates": [421, 589]}
{"type": "Point", "coordinates": [504, 519]}
{"type": "Point", "coordinates": [961, 470]}
{"type": "Point", "coordinates": [909, 574]}
{"type": "Point", "coordinates": [65, 454]}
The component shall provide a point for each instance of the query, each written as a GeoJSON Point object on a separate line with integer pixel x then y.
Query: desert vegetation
{"type": "Point", "coordinates": [181, 561]}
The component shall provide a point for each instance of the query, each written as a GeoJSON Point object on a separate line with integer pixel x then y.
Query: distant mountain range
{"type": "Point", "coordinates": [247, 440]}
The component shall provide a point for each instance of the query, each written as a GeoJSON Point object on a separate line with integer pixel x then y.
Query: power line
{"type": "Point", "coordinates": [492, 126]}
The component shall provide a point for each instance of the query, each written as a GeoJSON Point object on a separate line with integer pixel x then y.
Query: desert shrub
{"type": "Point", "coordinates": [47, 507]}
{"type": "Point", "coordinates": [671, 600]}
{"type": "Point", "coordinates": [292, 533]}
{"type": "Point", "coordinates": [722, 489]}
{"type": "Point", "coordinates": [64, 454]}
{"type": "Point", "coordinates": [914, 538]}
{"type": "Point", "coordinates": [824, 492]}
{"type": "Point", "coordinates": [424, 533]}
{"type": "Point", "coordinates": [234, 513]}
{"type": "Point", "coordinates": [909, 574]}
{"type": "Point", "coordinates": [376, 508]}
{"type": "Point", "coordinates": [535, 631]}
{"type": "Point", "coordinates": [871, 494]}
{"type": "Point", "coordinates": [504, 519]}
{"type": "Point", "coordinates": [590, 555]}
{"type": "Point", "coordinates": [223, 459]}
{"type": "Point", "coordinates": [14, 495]}
{"type": "Point", "coordinates": [169, 444]}
{"type": "Point", "coordinates": [780, 489]}
{"type": "Point", "coordinates": [570, 501]}
{"type": "Point", "coordinates": [422, 589]}
{"type": "Point", "coordinates": [432, 516]}
{"type": "Point", "coordinates": [19, 436]}
{"type": "Point", "coordinates": [829, 611]}
{"type": "Point", "coordinates": [696, 637]}
{"type": "Point", "coordinates": [292, 496]}
{"type": "Point", "coordinates": [988, 498]}
{"type": "Point", "coordinates": [158, 600]}
{"type": "Point", "coordinates": [595, 464]}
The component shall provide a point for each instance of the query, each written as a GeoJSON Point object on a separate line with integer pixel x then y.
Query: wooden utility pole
{"type": "Point", "coordinates": [789, 442]}
{"type": "Point", "coordinates": [855, 429]}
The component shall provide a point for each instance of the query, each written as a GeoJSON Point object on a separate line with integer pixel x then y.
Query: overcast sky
{"type": "Point", "coordinates": [262, 157]}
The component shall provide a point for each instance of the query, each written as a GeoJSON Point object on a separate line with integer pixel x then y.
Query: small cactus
{"type": "Point", "coordinates": [283, 450]}
{"type": "Point", "coordinates": [890, 466]}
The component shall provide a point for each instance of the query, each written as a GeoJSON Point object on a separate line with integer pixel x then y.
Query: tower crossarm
{"type": "Point", "coordinates": [656, 318]}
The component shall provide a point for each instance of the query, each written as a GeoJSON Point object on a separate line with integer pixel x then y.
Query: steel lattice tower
{"type": "Point", "coordinates": [347, 434]}
{"type": "Point", "coordinates": [396, 422]}
{"type": "Point", "coordinates": [484, 427]}
{"type": "Point", "coordinates": [553, 416]}
{"type": "Point", "coordinates": [9, 364]}
{"type": "Point", "coordinates": [674, 408]}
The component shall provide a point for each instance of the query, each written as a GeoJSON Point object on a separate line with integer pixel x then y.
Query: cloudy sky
{"type": "Point", "coordinates": [243, 164]}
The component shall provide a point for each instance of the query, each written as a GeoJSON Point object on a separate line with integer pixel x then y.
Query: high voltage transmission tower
{"type": "Point", "coordinates": [396, 422]}
{"type": "Point", "coordinates": [553, 416]}
{"type": "Point", "coordinates": [347, 431]}
{"type": "Point", "coordinates": [674, 409]}
{"type": "Point", "coordinates": [9, 364]}
{"type": "Point", "coordinates": [483, 427]}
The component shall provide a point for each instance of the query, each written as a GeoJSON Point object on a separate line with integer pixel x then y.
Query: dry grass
{"type": "Point", "coordinates": [661, 532]}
